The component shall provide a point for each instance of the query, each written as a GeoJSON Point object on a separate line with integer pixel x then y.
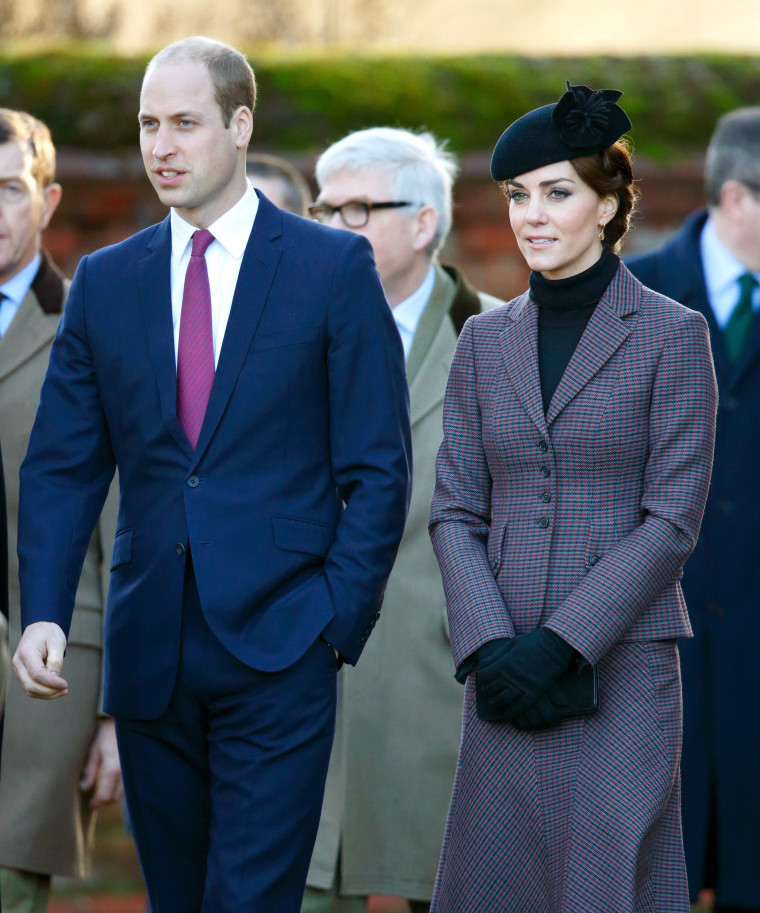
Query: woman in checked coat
{"type": "Point", "coordinates": [578, 440]}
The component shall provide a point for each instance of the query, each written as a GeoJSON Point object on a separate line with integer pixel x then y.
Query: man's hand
{"type": "Point", "coordinates": [102, 769]}
{"type": "Point", "coordinates": [38, 660]}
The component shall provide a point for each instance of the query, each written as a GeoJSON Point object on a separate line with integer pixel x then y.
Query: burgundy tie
{"type": "Point", "coordinates": [195, 355]}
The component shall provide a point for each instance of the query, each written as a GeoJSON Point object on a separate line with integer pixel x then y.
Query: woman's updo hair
{"type": "Point", "coordinates": [611, 171]}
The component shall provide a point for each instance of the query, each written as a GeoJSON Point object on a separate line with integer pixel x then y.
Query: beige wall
{"type": "Point", "coordinates": [448, 26]}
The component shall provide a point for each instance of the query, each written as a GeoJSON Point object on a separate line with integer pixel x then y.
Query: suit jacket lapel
{"type": "Point", "coordinates": [432, 349]}
{"type": "Point", "coordinates": [603, 336]}
{"type": "Point", "coordinates": [154, 277]}
{"type": "Point", "coordinates": [519, 347]}
{"type": "Point", "coordinates": [260, 261]}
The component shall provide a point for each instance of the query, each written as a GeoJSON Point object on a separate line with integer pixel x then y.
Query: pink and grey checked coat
{"type": "Point", "coordinates": [580, 520]}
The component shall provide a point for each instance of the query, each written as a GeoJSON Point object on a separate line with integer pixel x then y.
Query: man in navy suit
{"type": "Point", "coordinates": [241, 368]}
{"type": "Point", "coordinates": [713, 266]}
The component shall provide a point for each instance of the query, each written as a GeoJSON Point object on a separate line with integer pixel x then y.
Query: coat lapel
{"type": "Point", "coordinates": [603, 336]}
{"type": "Point", "coordinates": [519, 348]}
{"type": "Point", "coordinates": [36, 321]}
{"type": "Point", "coordinates": [154, 276]}
{"type": "Point", "coordinates": [430, 356]}
{"type": "Point", "coordinates": [29, 331]}
{"type": "Point", "coordinates": [260, 261]}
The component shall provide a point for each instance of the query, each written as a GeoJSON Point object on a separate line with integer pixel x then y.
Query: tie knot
{"type": "Point", "coordinates": [201, 241]}
{"type": "Point", "coordinates": [747, 283]}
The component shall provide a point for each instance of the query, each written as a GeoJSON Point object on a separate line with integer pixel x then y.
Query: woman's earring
{"type": "Point", "coordinates": [601, 231]}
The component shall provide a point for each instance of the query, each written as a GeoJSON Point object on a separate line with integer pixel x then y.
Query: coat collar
{"type": "Point", "coordinates": [606, 331]}
{"type": "Point", "coordinates": [451, 302]}
{"type": "Point", "coordinates": [36, 320]}
{"type": "Point", "coordinates": [260, 261]}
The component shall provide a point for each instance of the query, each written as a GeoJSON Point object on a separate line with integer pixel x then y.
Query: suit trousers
{"type": "Point", "coordinates": [224, 789]}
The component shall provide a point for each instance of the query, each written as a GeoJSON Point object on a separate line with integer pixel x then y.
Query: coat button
{"type": "Point", "coordinates": [193, 482]}
{"type": "Point", "coordinates": [180, 549]}
{"type": "Point", "coordinates": [545, 497]}
{"type": "Point", "coordinates": [593, 560]}
{"type": "Point", "coordinates": [545, 471]}
{"type": "Point", "coordinates": [543, 522]}
{"type": "Point", "coordinates": [543, 446]}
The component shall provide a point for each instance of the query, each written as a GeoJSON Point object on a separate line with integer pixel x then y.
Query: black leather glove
{"type": "Point", "coordinates": [514, 678]}
{"type": "Point", "coordinates": [544, 713]}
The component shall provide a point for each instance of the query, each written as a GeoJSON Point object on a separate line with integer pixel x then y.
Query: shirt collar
{"type": "Point", "coordinates": [408, 312]}
{"type": "Point", "coordinates": [232, 229]}
{"type": "Point", "coordinates": [722, 269]}
{"type": "Point", "coordinates": [15, 289]}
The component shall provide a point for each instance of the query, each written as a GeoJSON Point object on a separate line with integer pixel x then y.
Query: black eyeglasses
{"type": "Point", "coordinates": [355, 214]}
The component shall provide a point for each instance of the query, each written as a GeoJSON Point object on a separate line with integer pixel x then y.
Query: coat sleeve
{"type": "Point", "coordinates": [65, 476]}
{"type": "Point", "coordinates": [633, 573]}
{"type": "Point", "coordinates": [370, 438]}
{"type": "Point", "coordinates": [460, 514]}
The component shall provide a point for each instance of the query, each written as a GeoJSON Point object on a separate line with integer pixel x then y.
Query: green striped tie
{"type": "Point", "coordinates": [737, 328]}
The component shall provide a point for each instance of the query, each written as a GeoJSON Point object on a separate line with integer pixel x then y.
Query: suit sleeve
{"type": "Point", "coordinates": [635, 571]}
{"type": "Point", "coordinates": [460, 514]}
{"type": "Point", "coordinates": [65, 476]}
{"type": "Point", "coordinates": [370, 442]}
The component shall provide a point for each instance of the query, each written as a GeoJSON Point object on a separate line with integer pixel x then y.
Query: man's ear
{"type": "Point", "coordinates": [241, 123]}
{"type": "Point", "coordinates": [425, 227]}
{"type": "Point", "coordinates": [733, 198]}
{"type": "Point", "coordinates": [51, 196]}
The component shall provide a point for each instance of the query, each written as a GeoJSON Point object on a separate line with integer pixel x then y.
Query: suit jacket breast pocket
{"type": "Point", "coordinates": [280, 338]}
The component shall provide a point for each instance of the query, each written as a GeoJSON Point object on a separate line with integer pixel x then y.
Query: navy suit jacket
{"type": "Point", "coordinates": [295, 498]}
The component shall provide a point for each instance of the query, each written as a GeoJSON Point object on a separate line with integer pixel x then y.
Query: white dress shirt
{"type": "Point", "coordinates": [223, 258]}
{"type": "Point", "coordinates": [408, 312]}
{"type": "Point", "coordinates": [15, 290]}
{"type": "Point", "coordinates": [722, 272]}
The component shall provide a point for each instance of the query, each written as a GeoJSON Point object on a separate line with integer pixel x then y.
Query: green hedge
{"type": "Point", "coordinates": [90, 101]}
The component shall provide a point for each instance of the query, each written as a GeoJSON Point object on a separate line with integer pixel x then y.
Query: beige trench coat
{"type": "Point", "coordinates": [46, 825]}
{"type": "Point", "coordinates": [400, 709]}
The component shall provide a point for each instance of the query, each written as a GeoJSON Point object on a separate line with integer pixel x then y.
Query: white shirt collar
{"type": "Point", "coordinates": [232, 229]}
{"type": "Point", "coordinates": [722, 269]}
{"type": "Point", "coordinates": [15, 289]}
{"type": "Point", "coordinates": [408, 312]}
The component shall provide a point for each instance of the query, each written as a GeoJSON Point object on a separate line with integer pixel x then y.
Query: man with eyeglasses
{"type": "Point", "coordinates": [399, 714]}
{"type": "Point", "coordinates": [713, 266]}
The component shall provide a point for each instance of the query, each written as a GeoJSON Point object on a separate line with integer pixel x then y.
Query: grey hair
{"type": "Point", "coordinates": [419, 168]}
{"type": "Point", "coordinates": [734, 152]}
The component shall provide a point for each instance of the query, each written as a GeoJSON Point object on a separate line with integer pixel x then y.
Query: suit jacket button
{"type": "Point", "coordinates": [543, 522]}
{"type": "Point", "coordinates": [593, 560]}
{"type": "Point", "coordinates": [543, 446]}
{"type": "Point", "coordinates": [180, 549]}
{"type": "Point", "coordinates": [545, 497]}
{"type": "Point", "coordinates": [545, 471]}
{"type": "Point", "coordinates": [193, 482]}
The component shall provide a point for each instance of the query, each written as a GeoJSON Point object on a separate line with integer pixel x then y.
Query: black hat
{"type": "Point", "coordinates": [582, 122]}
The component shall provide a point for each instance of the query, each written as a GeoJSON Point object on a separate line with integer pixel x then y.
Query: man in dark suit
{"type": "Point", "coordinates": [241, 367]}
{"type": "Point", "coordinates": [713, 266]}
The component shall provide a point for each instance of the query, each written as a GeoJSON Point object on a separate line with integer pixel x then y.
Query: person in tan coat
{"type": "Point", "coordinates": [399, 711]}
{"type": "Point", "coordinates": [58, 761]}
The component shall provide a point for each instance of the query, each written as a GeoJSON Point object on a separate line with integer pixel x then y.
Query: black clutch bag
{"type": "Point", "coordinates": [580, 685]}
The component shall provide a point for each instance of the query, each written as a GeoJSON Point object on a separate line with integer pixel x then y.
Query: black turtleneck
{"type": "Point", "coordinates": [565, 307]}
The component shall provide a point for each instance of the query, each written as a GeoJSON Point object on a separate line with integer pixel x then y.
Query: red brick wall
{"type": "Point", "coordinates": [107, 198]}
